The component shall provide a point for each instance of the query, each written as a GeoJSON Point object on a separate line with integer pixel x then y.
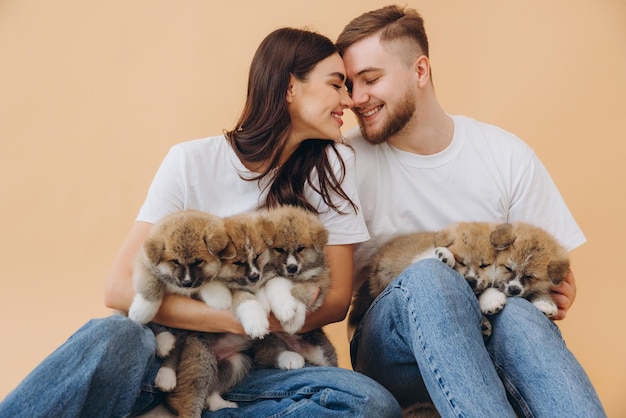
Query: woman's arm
{"type": "Point", "coordinates": [176, 311]}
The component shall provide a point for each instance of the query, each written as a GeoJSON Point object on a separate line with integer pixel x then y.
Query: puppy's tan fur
{"type": "Point", "coordinates": [179, 256]}
{"type": "Point", "coordinates": [296, 272]}
{"type": "Point", "coordinates": [243, 263]}
{"type": "Point", "coordinates": [498, 261]}
{"type": "Point", "coordinates": [213, 363]}
{"type": "Point", "coordinates": [464, 246]}
{"type": "Point", "coordinates": [529, 262]}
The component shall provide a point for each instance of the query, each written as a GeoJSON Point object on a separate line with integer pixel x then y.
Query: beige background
{"type": "Point", "coordinates": [92, 95]}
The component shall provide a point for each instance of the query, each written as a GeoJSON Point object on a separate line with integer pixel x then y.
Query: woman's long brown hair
{"type": "Point", "coordinates": [264, 126]}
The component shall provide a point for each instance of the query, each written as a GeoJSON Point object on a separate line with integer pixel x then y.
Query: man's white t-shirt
{"type": "Point", "coordinates": [486, 174]}
{"type": "Point", "coordinates": [206, 174]}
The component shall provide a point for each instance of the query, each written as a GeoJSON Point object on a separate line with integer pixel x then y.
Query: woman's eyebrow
{"type": "Point", "coordinates": [338, 75]}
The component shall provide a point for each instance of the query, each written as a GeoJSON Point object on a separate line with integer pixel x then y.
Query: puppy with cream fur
{"type": "Point", "coordinates": [529, 262]}
{"type": "Point", "coordinates": [464, 246]}
{"type": "Point", "coordinates": [298, 279]}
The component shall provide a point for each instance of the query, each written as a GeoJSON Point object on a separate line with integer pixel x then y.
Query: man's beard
{"type": "Point", "coordinates": [395, 122]}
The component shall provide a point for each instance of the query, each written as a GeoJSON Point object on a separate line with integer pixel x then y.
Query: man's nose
{"type": "Point", "coordinates": [358, 96]}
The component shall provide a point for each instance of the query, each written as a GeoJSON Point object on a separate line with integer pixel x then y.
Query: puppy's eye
{"type": "Point", "coordinates": [197, 263]}
{"type": "Point", "coordinates": [279, 250]}
{"type": "Point", "coordinates": [175, 262]}
{"type": "Point", "coordinates": [239, 263]}
{"type": "Point", "coordinates": [299, 250]}
{"type": "Point", "coordinates": [460, 263]}
{"type": "Point", "coordinates": [484, 265]}
{"type": "Point", "coordinates": [509, 269]}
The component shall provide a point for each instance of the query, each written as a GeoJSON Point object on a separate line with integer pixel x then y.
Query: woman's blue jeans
{"type": "Point", "coordinates": [430, 317]}
{"type": "Point", "coordinates": [106, 369]}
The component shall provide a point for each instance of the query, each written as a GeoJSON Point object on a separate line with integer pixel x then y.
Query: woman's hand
{"type": "Point", "coordinates": [563, 295]}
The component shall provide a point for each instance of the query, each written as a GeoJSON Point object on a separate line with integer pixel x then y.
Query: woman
{"type": "Point", "coordinates": [282, 151]}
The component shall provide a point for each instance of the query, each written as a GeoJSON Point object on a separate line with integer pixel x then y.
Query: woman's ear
{"type": "Point", "coordinates": [291, 88]}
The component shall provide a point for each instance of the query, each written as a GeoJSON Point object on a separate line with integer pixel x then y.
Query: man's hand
{"type": "Point", "coordinates": [563, 295]}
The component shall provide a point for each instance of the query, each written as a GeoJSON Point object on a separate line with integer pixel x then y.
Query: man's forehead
{"type": "Point", "coordinates": [365, 55]}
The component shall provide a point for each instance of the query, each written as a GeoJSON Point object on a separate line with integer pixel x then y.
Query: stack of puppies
{"type": "Point", "coordinates": [254, 264]}
{"type": "Point", "coordinates": [497, 260]}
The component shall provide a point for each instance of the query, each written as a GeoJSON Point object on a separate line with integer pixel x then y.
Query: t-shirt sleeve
{"type": "Point", "coordinates": [166, 192]}
{"type": "Point", "coordinates": [537, 200]}
{"type": "Point", "coordinates": [347, 227]}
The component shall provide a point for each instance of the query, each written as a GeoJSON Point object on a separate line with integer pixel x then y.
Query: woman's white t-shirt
{"type": "Point", "coordinates": [206, 174]}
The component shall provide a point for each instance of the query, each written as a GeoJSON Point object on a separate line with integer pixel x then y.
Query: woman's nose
{"type": "Point", "coordinates": [346, 100]}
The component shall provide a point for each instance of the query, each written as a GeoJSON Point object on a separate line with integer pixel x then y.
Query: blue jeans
{"type": "Point", "coordinates": [429, 316]}
{"type": "Point", "coordinates": [107, 369]}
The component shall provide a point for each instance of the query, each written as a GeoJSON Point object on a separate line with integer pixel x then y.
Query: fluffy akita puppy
{"type": "Point", "coordinates": [529, 262]}
{"type": "Point", "coordinates": [243, 261]}
{"type": "Point", "coordinates": [181, 255]}
{"type": "Point", "coordinates": [464, 246]}
{"type": "Point", "coordinates": [298, 279]}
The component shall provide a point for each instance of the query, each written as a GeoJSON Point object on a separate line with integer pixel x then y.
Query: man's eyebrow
{"type": "Point", "coordinates": [368, 70]}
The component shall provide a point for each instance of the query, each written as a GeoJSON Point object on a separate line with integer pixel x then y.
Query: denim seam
{"type": "Point", "coordinates": [511, 389]}
{"type": "Point", "coordinates": [245, 397]}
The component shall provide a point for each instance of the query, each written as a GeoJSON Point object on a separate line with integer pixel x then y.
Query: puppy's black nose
{"type": "Point", "coordinates": [292, 268]}
{"type": "Point", "coordinates": [254, 276]}
{"type": "Point", "coordinates": [514, 291]}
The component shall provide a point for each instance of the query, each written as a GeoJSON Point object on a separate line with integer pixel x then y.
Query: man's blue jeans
{"type": "Point", "coordinates": [430, 316]}
{"type": "Point", "coordinates": [107, 369]}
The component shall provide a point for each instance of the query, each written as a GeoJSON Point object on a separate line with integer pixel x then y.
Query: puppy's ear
{"type": "Point", "coordinates": [266, 229]}
{"type": "Point", "coordinates": [557, 270]}
{"type": "Point", "coordinates": [503, 237]}
{"type": "Point", "coordinates": [228, 252]}
{"type": "Point", "coordinates": [154, 248]}
{"type": "Point", "coordinates": [215, 237]}
{"type": "Point", "coordinates": [319, 234]}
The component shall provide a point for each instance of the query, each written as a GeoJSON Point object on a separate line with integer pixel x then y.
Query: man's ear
{"type": "Point", "coordinates": [291, 88]}
{"type": "Point", "coordinates": [422, 68]}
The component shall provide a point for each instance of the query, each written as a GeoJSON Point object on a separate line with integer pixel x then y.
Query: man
{"type": "Point", "coordinates": [422, 169]}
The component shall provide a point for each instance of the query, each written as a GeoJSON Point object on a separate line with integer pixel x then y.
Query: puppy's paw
{"type": "Point", "coordinates": [445, 256]}
{"type": "Point", "coordinates": [165, 379]}
{"type": "Point", "coordinates": [547, 307]}
{"type": "Point", "coordinates": [286, 310]}
{"type": "Point", "coordinates": [290, 360]}
{"type": "Point", "coordinates": [283, 304]}
{"type": "Point", "coordinates": [143, 310]}
{"type": "Point", "coordinates": [165, 342]}
{"type": "Point", "coordinates": [491, 301]}
{"type": "Point", "coordinates": [253, 318]}
{"type": "Point", "coordinates": [295, 323]}
{"type": "Point", "coordinates": [216, 295]}
{"type": "Point", "coordinates": [215, 401]}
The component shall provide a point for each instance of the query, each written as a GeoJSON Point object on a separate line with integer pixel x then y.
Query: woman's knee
{"type": "Point", "coordinates": [121, 334]}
